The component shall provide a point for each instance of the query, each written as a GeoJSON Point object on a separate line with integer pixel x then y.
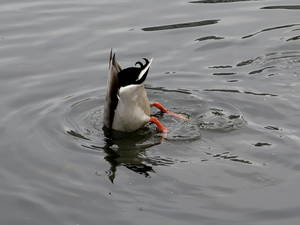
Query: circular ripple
{"type": "Point", "coordinates": [83, 120]}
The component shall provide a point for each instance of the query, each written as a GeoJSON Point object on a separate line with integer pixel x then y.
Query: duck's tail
{"type": "Point", "coordinates": [113, 86]}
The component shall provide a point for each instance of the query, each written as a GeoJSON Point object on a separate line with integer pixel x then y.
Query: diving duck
{"type": "Point", "coordinates": [127, 107]}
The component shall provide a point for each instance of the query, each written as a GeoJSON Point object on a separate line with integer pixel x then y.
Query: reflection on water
{"type": "Point", "coordinates": [229, 156]}
{"type": "Point", "coordinates": [75, 134]}
{"type": "Point", "coordinates": [133, 150]}
{"type": "Point", "coordinates": [238, 91]}
{"type": "Point", "coordinates": [294, 38]}
{"type": "Point", "coordinates": [247, 62]}
{"type": "Point", "coordinates": [261, 70]}
{"type": "Point", "coordinates": [237, 156]}
{"type": "Point", "coordinates": [84, 123]}
{"type": "Point", "coordinates": [129, 150]}
{"type": "Point", "coordinates": [126, 149]}
{"type": "Point", "coordinates": [222, 119]}
{"type": "Point", "coordinates": [181, 25]}
{"type": "Point", "coordinates": [220, 1]}
{"type": "Point", "coordinates": [260, 144]}
{"type": "Point", "coordinates": [209, 38]}
{"type": "Point", "coordinates": [272, 128]}
{"type": "Point", "coordinates": [224, 74]}
{"type": "Point", "coordinates": [270, 29]}
{"type": "Point", "coordinates": [282, 7]}
{"type": "Point", "coordinates": [220, 67]}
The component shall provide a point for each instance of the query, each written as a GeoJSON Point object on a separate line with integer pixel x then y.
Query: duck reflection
{"type": "Point", "coordinates": [129, 150]}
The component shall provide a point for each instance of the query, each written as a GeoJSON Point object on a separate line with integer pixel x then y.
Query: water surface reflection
{"type": "Point", "coordinates": [235, 162]}
{"type": "Point", "coordinates": [220, 1]}
{"type": "Point", "coordinates": [181, 25]}
{"type": "Point", "coordinates": [282, 7]}
{"type": "Point", "coordinates": [129, 150]}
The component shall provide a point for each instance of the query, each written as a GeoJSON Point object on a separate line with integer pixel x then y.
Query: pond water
{"type": "Point", "coordinates": [232, 66]}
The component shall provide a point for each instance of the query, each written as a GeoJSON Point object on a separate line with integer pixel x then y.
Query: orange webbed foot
{"type": "Point", "coordinates": [161, 128]}
{"type": "Point", "coordinates": [165, 110]}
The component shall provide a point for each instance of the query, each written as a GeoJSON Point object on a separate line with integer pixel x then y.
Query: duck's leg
{"type": "Point", "coordinates": [165, 110]}
{"type": "Point", "coordinates": [161, 128]}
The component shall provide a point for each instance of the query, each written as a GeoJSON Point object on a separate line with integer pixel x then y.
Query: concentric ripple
{"type": "Point", "coordinates": [83, 120]}
{"type": "Point", "coordinates": [231, 66]}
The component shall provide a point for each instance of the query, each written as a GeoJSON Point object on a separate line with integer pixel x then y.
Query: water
{"type": "Point", "coordinates": [231, 66]}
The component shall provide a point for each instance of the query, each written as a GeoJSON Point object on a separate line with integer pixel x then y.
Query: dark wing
{"type": "Point", "coordinates": [113, 86]}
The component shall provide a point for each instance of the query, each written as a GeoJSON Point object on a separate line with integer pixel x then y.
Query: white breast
{"type": "Point", "coordinates": [133, 109]}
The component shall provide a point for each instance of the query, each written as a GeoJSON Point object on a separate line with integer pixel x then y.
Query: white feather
{"type": "Point", "coordinates": [133, 109]}
{"type": "Point", "coordinates": [145, 69]}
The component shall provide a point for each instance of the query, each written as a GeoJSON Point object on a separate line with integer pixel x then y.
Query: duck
{"type": "Point", "coordinates": [127, 107]}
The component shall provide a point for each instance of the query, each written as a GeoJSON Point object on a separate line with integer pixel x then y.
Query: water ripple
{"type": "Point", "coordinates": [282, 7]}
{"type": "Point", "coordinates": [209, 38]}
{"type": "Point", "coordinates": [238, 91]}
{"type": "Point", "coordinates": [270, 29]}
{"type": "Point", "coordinates": [181, 25]}
{"type": "Point", "coordinates": [220, 1]}
{"type": "Point", "coordinates": [294, 38]}
{"type": "Point", "coordinates": [241, 95]}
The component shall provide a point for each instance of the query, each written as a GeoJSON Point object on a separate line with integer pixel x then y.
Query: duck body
{"type": "Point", "coordinates": [127, 107]}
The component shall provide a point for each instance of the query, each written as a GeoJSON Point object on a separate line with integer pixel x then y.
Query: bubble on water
{"type": "Point", "coordinates": [221, 119]}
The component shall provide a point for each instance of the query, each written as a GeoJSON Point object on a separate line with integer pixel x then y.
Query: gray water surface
{"type": "Point", "coordinates": [232, 66]}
